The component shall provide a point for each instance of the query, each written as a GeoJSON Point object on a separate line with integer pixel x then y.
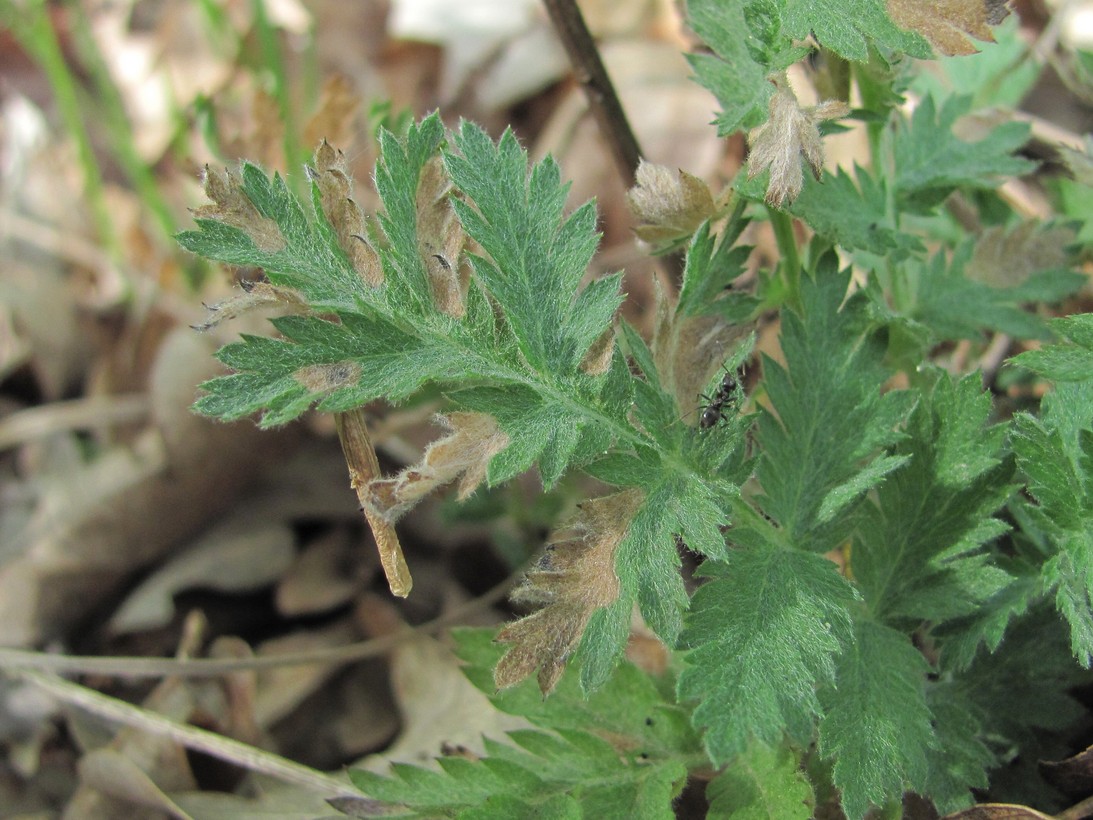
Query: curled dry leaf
{"type": "Point", "coordinates": [790, 133]}
{"type": "Point", "coordinates": [233, 207]}
{"type": "Point", "coordinates": [255, 296]}
{"type": "Point", "coordinates": [331, 174]}
{"type": "Point", "coordinates": [946, 22]}
{"type": "Point", "coordinates": [668, 205]}
{"type": "Point", "coordinates": [440, 239]}
{"type": "Point", "coordinates": [473, 439]}
{"type": "Point", "coordinates": [574, 578]}
{"type": "Point", "coordinates": [1073, 776]}
{"type": "Point", "coordinates": [998, 811]}
{"type": "Point", "coordinates": [597, 359]}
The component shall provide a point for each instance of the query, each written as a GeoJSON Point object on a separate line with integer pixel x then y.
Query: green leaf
{"type": "Point", "coordinates": [378, 359]}
{"type": "Point", "coordinates": [847, 26]}
{"type": "Point", "coordinates": [931, 161]}
{"type": "Point", "coordinates": [764, 783]}
{"type": "Point", "coordinates": [521, 346]}
{"type": "Point", "coordinates": [961, 760]}
{"type": "Point", "coordinates": [636, 709]}
{"type": "Point", "coordinates": [620, 752]}
{"type": "Point", "coordinates": [1033, 668]}
{"type": "Point", "coordinates": [309, 262]}
{"type": "Point", "coordinates": [1065, 362]}
{"type": "Point", "coordinates": [397, 175]}
{"type": "Point", "coordinates": [996, 77]}
{"type": "Point", "coordinates": [712, 265]}
{"type": "Point", "coordinates": [920, 548]}
{"type": "Point", "coordinates": [763, 632]}
{"type": "Point", "coordinates": [570, 774]}
{"type": "Point", "coordinates": [961, 638]}
{"type": "Point", "coordinates": [956, 307]}
{"type": "Point", "coordinates": [736, 76]}
{"type": "Point", "coordinates": [854, 219]}
{"type": "Point", "coordinates": [1056, 454]}
{"type": "Point", "coordinates": [877, 727]}
{"type": "Point", "coordinates": [536, 258]}
{"type": "Point", "coordinates": [828, 418]}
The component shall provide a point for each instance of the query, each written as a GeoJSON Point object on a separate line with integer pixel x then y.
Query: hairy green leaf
{"type": "Point", "coordinates": [931, 161]}
{"type": "Point", "coordinates": [828, 417]}
{"type": "Point", "coordinates": [877, 727]}
{"type": "Point", "coordinates": [919, 552]}
{"type": "Point", "coordinates": [763, 632]}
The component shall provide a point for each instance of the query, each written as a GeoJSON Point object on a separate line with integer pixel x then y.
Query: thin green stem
{"type": "Point", "coordinates": [790, 266]}
{"type": "Point", "coordinates": [35, 31]}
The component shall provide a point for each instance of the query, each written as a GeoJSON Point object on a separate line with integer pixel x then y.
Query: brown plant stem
{"type": "Point", "coordinates": [604, 102]}
{"type": "Point", "coordinates": [569, 24]}
{"type": "Point", "coordinates": [360, 457]}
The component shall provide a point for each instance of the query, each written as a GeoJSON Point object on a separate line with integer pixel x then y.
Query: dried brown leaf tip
{"type": "Point", "coordinates": [668, 205]}
{"type": "Point", "coordinates": [473, 439]}
{"type": "Point", "coordinates": [440, 239]}
{"type": "Point", "coordinates": [574, 578]}
{"type": "Point", "coordinates": [946, 22]}
{"type": "Point", "coordinates": [790, 133]}
{"type": "Point", "coordinates": [233, 207]}
{"type": "Point", "coordinates": [597, 359]}
{"type": "Point", "coordinates": [331, 175]}
{"type": "Point", "coordinates": [255, 296]}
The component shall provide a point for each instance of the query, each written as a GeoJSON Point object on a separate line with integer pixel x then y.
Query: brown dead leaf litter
{"type": "Point", "coordinates": [167, 564]}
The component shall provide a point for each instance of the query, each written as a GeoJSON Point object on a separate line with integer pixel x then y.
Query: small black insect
{"type": "Point", "coordinates": [724, 397]}
{"type": "Point", "coordinates": [713, 412]}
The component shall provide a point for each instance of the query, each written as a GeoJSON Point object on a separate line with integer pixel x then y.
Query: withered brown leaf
{"type": "Point", "coordinates": [790, 133]}
{"type": "Point", "coordinates": [946, 22]}
{"type": "Point", "coordinates": [575, 577]}
{"type": "Point", "coordinates": [473, 439]}
{"type": "Point", "coordinates": [668, 205]}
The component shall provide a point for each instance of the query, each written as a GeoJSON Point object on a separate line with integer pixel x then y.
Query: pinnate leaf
{"type": "Point", "coordinates": [931, 161]}
{"type": "Point", "coordinates": [633, 709]}
{"type": "Point", "coordinates": [877, 727]}
{"type": "Point", "coordinates": [735, 74]}
{"type": "Point", "coordinates": [1058, 462]}
{"type": "Point", "coordinates": [567, 774]}
{"type": "Point", "coordinates": [764, 631]}
{"type": "Point", "coordinates": [847, 26]}
{"type": "Point", "coordinates": [536, 259]}
{"type": "Point", "coordinates": [956, 306]}
{"type": "Point", "coordinates": [920, 549]}
{"type": "Point", "coordinates": [829, 419]}
{"type": "Point", "coordinates": [764, 783]}
{"type": "Point", "coordinates": [1069, 361]}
